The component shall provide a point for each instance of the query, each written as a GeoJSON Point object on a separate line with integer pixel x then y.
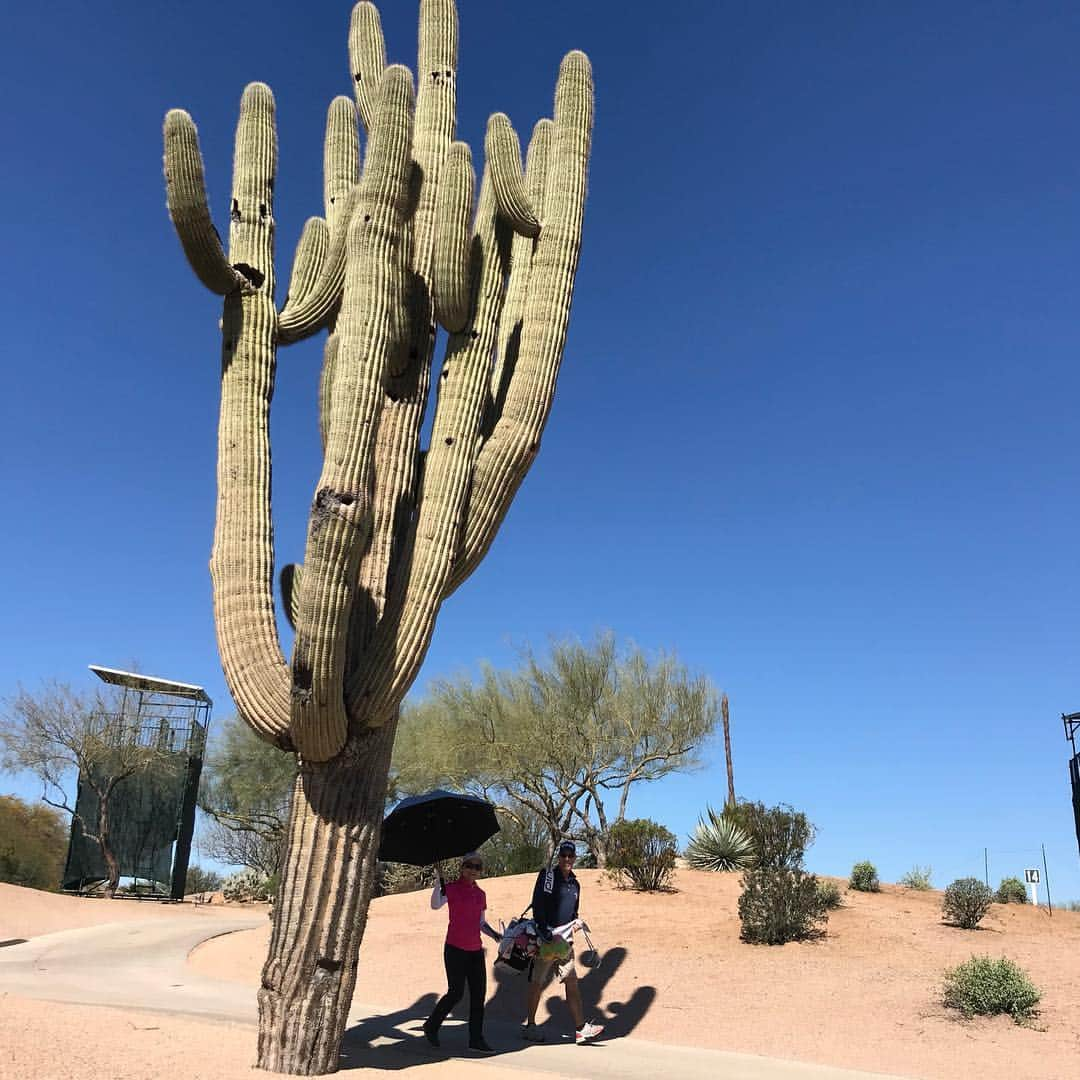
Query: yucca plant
{"type": "Point", "coordinates": [719, 844]}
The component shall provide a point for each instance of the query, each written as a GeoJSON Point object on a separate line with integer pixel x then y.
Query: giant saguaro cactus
{"type": "Point", "coordinates": [394, 527]}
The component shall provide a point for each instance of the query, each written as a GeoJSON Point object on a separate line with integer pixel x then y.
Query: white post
{"type": "Point", "coordinates": [1032, 878]}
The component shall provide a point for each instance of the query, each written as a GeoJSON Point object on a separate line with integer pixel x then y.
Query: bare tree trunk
{"type": "Point", "coordinates": [327, 878]}
{"type": "Point", "coordinates": [600, 838]}
{"type": "Point", "coordinates": [111, 865]}
{"type": "Point", "coordinates": [725, 717]}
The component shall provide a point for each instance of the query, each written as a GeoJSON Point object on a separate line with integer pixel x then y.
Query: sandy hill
{"type": "Point", "coordinates": [866, 996]}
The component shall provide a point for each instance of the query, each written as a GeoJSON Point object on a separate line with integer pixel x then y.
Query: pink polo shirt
{"type": "Point", "coordinates": [467, 906]}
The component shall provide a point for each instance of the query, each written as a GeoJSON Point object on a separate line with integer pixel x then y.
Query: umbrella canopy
{"type": "Point", "coordinates": [438, 825]}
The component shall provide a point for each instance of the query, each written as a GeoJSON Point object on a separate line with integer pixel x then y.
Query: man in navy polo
{"type": "Point", "coordinates": [556, 899]}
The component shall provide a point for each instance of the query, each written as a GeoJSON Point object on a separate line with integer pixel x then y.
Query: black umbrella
{"type": "Point", "coordinates": [424, 829]}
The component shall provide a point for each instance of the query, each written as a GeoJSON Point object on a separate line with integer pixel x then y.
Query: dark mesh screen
{"type": "Point", "coordinates": [1074, 773]}
{"type": "Point", "coordinates": [144, 813]}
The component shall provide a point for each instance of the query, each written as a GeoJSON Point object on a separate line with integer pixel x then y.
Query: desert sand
{"type": "Point", "coordinates": [866, 996]}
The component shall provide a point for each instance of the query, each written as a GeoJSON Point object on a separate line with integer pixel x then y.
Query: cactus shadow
{"type": "Point", "coordinates": [389, 1041]}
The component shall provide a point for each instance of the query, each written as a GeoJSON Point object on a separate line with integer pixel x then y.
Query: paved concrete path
{"type": "Point", "coordinates": [143, 965]}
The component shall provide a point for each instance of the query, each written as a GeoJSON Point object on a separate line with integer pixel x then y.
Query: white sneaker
{"type": "Point", "coordinates": [532, 1033]}
{"type": "Point", "coordinates": [588, 1031]}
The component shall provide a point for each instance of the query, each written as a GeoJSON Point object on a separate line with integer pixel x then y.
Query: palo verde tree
{"type": "Point", "coordinates": [394, 527]}
{"type": "Point", "coordinates": [246, 790]}
{"type": "Point", "coordinates": [564, 738]}
{"type": "Point", "coordinates": [60, 736]}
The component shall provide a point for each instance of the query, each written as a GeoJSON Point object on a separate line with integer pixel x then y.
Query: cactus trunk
{"type": "Point", "coordinates": [321, 910]}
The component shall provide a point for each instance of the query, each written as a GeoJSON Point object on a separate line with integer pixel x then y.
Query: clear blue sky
{"type": "Point", "coordinates": [816, 424]}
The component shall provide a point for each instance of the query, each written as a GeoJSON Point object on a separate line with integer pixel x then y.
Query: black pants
{"type": "Point", "coordinates": [463, 966]}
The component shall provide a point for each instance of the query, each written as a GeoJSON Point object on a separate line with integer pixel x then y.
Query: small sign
{"type": "Point", "coordinates": [1031, 877]}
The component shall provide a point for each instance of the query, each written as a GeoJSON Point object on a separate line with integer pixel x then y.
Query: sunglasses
{"type": "Point", "coordinates": [472, 866]}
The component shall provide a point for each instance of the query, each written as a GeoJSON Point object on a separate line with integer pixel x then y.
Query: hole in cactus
{"type": "Point", "coordinates": [474, 334]}
{"type": "Point", "coordinates": [367, 217]}
{"type": "Point", "coordinates": [327, 964]}
{"type": "Point", "coordinates": [253, 274]}
{"type": "Point", "coordinates": [435, 75]}
{"type": "Point", "coordinates": [449, 442]}
{"type": "Point", "coordinates": [302, 679]}
{"type": "Point", "coordinates": [449, 74]}
{"type": "Point", "coordinates": [345, 499]}
{"type": "Point", "coordinates": [262, 210]}
{"type": "Point", "coordinates": [235, 215]}
{"type": "Point", "coordinates": [358, 77]}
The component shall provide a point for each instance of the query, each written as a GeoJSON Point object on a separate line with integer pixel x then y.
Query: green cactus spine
{"type": "Point", "coordinates": [394, 527]}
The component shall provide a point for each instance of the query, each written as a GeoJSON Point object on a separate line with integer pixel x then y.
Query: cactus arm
{"type": "Point", "coordinates": [367, 59]}
{"type": "Point", "coordinates": [242, 561]}
{"type": "Point", "coordinates": [326, 385]}
{"type": "Point", "coordinates": [311, 312]}
{"type": "Point", "coordinates": [402, 414]}
{"type": "Point", "coordinates": [292, 580]}
{"type": "Point", "coordinates": [503, 152]}
{"type": "Point", "coordinates": [370, 328]}
{"type": "Point", "coordinates": [341, 172]}
{"type": "Point", "coordinates": [436, 118]}
{"type": "Point", "coordinates": [404, 632]}
{"type": "Point", "coordinates": [450, 271]}
{"type": "Point", "coordinates": [520, 268]}
{"type": "Point", "coordinates": [185, 192]}
{"type": "Point", "coordinates": [341, 155]}
{"type": "Point", "coordinates": [509, 451]}
{"type": "Point", "coordinates": [308, 260]}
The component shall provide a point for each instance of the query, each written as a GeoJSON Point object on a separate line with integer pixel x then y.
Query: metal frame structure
{"type": "Point", "coordinates": [173, 717]}
{"type": "Point", "coordinates": [1072, 730]}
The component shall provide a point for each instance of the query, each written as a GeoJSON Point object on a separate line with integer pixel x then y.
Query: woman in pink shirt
{"type": "Point", "coordinates": [463, 953]}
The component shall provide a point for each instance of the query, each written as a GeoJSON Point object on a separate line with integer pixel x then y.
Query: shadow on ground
{"type": "Point", "coordinates": [395, 1041]}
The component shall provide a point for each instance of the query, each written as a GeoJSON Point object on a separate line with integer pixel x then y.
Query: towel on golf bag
{"type": "Point", "coordinates": [519, 944]}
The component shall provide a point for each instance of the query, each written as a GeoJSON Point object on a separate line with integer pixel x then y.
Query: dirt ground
{"type": "Point", "coordinates": [867, 996]}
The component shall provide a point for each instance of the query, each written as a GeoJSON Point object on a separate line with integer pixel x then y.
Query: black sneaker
{"type": "Point", "coordinates": [479, 1046]}
{"type": "Point", "coordinates": [431, 1034]}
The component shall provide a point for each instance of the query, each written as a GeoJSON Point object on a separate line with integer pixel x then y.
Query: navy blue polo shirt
{"type": "Point", "coordinates": [555, 898]}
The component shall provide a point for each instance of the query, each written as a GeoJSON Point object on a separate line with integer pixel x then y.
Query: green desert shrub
{"type": "Point", "coordinates": [831, 897]}
{"type": "Point", "coordinates": [918, 878]}
{"type": "Point", "coordinates": [1011, 891]}
{"type": "Point", "coordinates": [717, 843]}
{"type": "Point", "coordinates": [780, 834]}
{"type": "Point", "coordinates": [984, 986]}
{"type": "Point", "coordinates": [777, 906]}
{"type": "Point", "coordinates": [864, 877]}
{"type": "Point", "coordinates": [247, 886]}
{"type": "Point", "coordinates": [966, 901]}
{"type": "Point", "coordinates": [641, 853]}
{"type": "Point", "coordinates": [199, 880]}
{"type": "Point", "coordinates": [780, 902]}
